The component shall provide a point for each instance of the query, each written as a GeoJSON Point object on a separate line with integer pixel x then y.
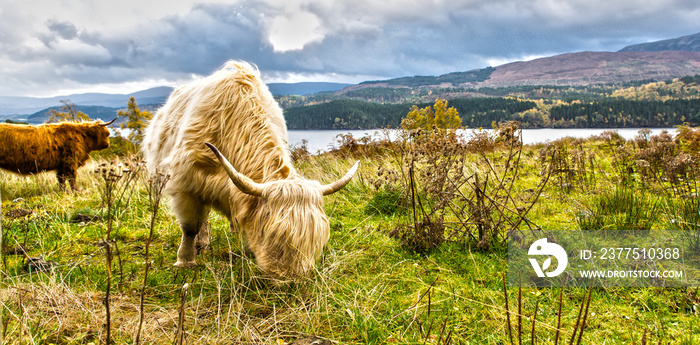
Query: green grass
{"type": "Point", "coordinates": [367, 288]}
{"type": "Point", "coordinates": [622, 208]}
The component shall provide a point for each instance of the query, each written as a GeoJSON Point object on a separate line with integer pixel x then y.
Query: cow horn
{"type": "Point", "coordinates": [338, 185]}
{"type": "Point", "coordinates": [244, 183]}
{"type": "Point", "coordinates": [108, 123]}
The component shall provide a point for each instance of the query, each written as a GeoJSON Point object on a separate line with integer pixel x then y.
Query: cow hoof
{"type": "Point", "coordinates": [185, 264]}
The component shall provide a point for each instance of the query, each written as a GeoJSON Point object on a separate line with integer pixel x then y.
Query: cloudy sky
{"type": "Point", "coordinates": [54, 47]}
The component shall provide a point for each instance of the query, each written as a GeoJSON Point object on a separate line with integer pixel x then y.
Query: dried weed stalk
{"type": "Point", "coordinates": [578, 327]}
{"type": "Point", "coordinates": [117, 182]}
{"type": "Point", "coordinates": [154, 186]}
{"type": "Point", "coordinates": [430, 163]}
{"type": "Point", "coordinates": [486, 204]}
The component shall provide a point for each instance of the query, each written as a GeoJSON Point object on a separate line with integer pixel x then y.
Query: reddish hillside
{"type": "Point", "coordinates": [596, 67]}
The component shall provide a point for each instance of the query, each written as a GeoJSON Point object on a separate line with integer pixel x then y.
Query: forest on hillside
{"type": "Point", "coordinates": [641, 104]}
{"type": "Point", "coordinates": [355, 114]}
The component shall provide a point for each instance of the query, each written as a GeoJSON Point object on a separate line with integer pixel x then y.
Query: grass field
{"type": "Point", "coordinates": [368, 288]}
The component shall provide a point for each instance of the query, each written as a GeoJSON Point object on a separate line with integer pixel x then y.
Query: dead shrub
{"type": "Point", "coordinates": [488, 209]}
{"type": "Point", "coordinates": [688, 139]}
{"type": "Point", "coordinates": [349, 146]}
{"type": "Point", "coordinates": [449, 203]}
{"type": "Point", "coordinates": [480, 141]}
{"type": "Point", "coordinates": [622, 157]}
{"type": "Point", "coordinates": [300, 151]}
{"type": "Point", "coordinates": [653, 152]}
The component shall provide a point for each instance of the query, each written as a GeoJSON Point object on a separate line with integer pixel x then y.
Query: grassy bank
{"type": "Point", "coordinates": [368, 288]}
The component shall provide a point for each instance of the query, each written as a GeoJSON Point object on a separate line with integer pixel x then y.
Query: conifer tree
{"type": "Point", "coordinates": [137, 120]}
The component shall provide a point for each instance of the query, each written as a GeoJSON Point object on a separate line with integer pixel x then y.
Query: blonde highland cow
{"type": "Point", "coordinates": [232, 116]}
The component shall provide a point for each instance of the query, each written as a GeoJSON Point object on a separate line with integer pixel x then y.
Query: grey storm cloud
{"type": "Point", "coordinates": [65, 30]}
{"type": "Point", "coordinates": [197, 43]}
{"type": "Point", "coordinates": [313, 37]}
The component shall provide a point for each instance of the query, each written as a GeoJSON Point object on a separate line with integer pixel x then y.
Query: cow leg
{"type": "Point", "coordinates": [61, 180]}
{"type": "Point", "coordinates": [191, 215]}
{"type": "Point", "coordinates": [201, 241]}
{"type": "Point", "coordinates": [245, 250]}
{"type": "Point", "coordinates": [72, 181]}
{"type": "Point", "coordinates": [67, 174]}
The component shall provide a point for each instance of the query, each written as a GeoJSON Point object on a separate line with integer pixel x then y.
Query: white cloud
{"type": "Point", "coordinates": [292, 31]}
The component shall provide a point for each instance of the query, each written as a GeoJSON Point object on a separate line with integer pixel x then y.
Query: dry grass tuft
{"type": "Point", "coordinates": [66, 315]}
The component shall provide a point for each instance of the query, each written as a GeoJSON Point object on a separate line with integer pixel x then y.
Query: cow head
{"type": "Point", "coordinates": [288, 228]}
{"type": "Point", "coordinates": [99, 134]}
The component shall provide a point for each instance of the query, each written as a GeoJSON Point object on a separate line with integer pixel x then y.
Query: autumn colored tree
{"type": "Point", "coordinates": [688, 138]}
{"type": "Point", "coordinates": [439, 115]}
{"type": "Point", "coordinates": [137, 120]}
{"type": "Point", "coordinates": [68, 113]}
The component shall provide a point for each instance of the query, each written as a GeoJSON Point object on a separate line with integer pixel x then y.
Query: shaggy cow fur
{"type": "Point", "coordinates": [63, 147]}
{"type": "Point", "coordinates": [280, 213]}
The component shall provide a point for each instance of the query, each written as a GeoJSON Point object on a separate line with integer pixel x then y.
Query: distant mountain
{"type": "Point", "coordinates": [29, 105]}
{"type": "Point", "coordinates": [20, 107]}
{"type": "Point", "coordinates": [304, 88]}
{"type": "Point", "coordinates": [689, 43]}
{"type": "Point", "coordinates": [586, 68]}
{"type": "Point", "coordinates": [95, 112]}
{"type": "Point", "coordinates": [451, 79]}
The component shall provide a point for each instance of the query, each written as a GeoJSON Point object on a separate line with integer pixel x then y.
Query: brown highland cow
{"type": "Point", "coordinates": [63, 147]}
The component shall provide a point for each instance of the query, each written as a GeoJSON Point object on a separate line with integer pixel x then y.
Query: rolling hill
{"type": "Point", "coordinates": [586, 68]}
{"type": "Point", "coordinates": [686, 43]}
{"type": "Point", "coordinates": [24, 106]}
{"type": "Point", "coordinates": [95, 112]}
{"type": "Point", "coordinates": [21, 108]}
{"type": "Point", "coordinates": [575, 69]}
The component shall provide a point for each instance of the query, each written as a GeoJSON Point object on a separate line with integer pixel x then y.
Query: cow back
{"type": "Point", "coordinates": [231, 109]}
{"type": "Point", "coordinates": [28, 149]}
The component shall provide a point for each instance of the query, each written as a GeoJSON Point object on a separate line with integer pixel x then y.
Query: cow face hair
{"type": "Point", "coordinates": [289, 227]}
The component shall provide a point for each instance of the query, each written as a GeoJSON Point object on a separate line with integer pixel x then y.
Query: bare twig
{"type": "Point", "coordinates": [180, 334]}
{"type": "Point", "coordinates": [505, 294]}
{"type": "Point", "coordinates": [154, 186]}
{"type": "Point", "coordinates": [578, 321]}
{"type": "Point", "coordinates": [442, 331]}
{"type": "Point", "coordinates": [117, 179]}
{"type": "Point", "coordinates": [520, 310]}
{"type": "Point", "coordinates": [585, 315]}
{"type": "Point", "coordinates": [534, 320]}
{"type": "Point", "coordinates": [428, 333]}
{"type": "Point", "coordinates": [561, 294]}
